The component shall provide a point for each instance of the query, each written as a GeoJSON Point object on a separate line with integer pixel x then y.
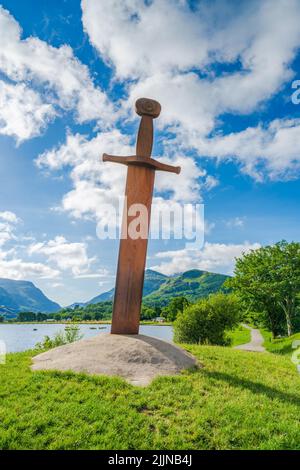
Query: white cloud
{"type": "Point", "coordinates": [23, 115]}
{"type": "Point", "coordinates": [139, 39]}
{"type": "Point", "coordinates": [187, 185]}
{"type": "Point", "coordinates": [62, 256]}
{"type": "Point", "coordinates": [172, 52]}
{"type": "Point", "coordinates": [65, 255]}
{"type": "Point", "coordinates": [9, 216]}
{"type": "Point", "coordinates": [273, 149]}
{"type": "Point", "coordinates": [13, 266]}
{"type": "Point", "coordinates": [213, 257]}
{"type": "Point", "coordinates": [6, 233]}
{"type": "Point", "coordinates": [236, 222]}
{"type": "Point", "coordinates": [96, 184]}
{"type": "Point", "coordinates": [16, 268]}
{"type": "Point", "coordinates": [8, 220]}
{"type": "Point", "coordinates": [64, 83]}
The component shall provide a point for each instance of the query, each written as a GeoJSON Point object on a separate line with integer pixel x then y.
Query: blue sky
{"type": "Point", "coordinates": [70, 72]}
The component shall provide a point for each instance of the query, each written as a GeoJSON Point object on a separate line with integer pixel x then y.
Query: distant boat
{"type": "Point", "coordinates": [35, 329]}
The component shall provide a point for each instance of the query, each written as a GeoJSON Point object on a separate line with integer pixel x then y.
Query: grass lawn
{"type": "Point", "coordinates": [280, 345]}
{"type": "Point", "coordinates": [239, 400]}
{"type": "Point", "coordinates": [240, 335]}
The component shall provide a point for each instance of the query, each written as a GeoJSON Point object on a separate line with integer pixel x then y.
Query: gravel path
{"type": "Point", "coordinates": [256, 343]}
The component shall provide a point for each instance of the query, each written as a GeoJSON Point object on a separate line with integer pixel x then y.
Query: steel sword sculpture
{"type": "Point", "coordinates": [132, 251]}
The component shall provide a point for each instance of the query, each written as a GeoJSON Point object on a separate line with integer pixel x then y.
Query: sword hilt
{"type": "Point", "coordinates": [147, 107]}
{"type": "Point", "coordinates": [149, 110]}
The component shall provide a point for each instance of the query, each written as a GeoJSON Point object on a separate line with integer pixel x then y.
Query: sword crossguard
{"type": "Point", "coordinates": [141, 161]}
{"type": "Point", "coordinates": [149, 110]}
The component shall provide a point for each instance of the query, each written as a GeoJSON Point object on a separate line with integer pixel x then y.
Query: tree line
{"type": "Point", "coordinates": [264, 292]}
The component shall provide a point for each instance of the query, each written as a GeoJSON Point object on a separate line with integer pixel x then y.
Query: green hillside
{"type": "Point", "coordinates": [153, 280]}
{"type": "Point", "coordinates": [192, 284]}
{"type": "Point", "coordinates": [159, 288]}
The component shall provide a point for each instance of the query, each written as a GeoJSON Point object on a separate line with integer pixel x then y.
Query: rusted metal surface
{"type": "Point", "coordinates": [133, 251]}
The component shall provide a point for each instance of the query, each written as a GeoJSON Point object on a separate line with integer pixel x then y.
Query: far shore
{"type": "Point", "coordinates": [90, 322]}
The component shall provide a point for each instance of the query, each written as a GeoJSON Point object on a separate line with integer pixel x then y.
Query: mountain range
{"type": "Point", "coordinates": [17, 296]}
{"type": "Point", "coordinates": [159, 288]}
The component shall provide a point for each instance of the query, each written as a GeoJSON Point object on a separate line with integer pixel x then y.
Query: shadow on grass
{"type": "Point", "coordinates": [284, 349]}
{"type": "Point", "coordinates": [254, 387]}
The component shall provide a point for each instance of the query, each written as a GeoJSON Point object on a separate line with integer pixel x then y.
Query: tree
{"type": "Point", "coordinates": [147, 313]}
{"type": "Point", "coordinates": [41, 316]}
{"type": "Point", "coordinates": [26, 316]}
{"type": "Point", "coordinates": [87, 316]}
{"type": "Point", "coordinates": [207, 321]}
{"type": "Point", "coordinates": [175, 306]}
{"type": "Point", "coordinates": [268, 279]}
{"type": "Point", "coordinates": [1, 319]}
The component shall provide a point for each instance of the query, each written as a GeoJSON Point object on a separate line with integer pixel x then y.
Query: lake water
{"type": "Point", "coordinates": [22, 337]}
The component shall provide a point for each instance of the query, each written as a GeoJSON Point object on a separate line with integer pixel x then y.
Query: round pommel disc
{"type": "Point", "coordinates": [145, 106]}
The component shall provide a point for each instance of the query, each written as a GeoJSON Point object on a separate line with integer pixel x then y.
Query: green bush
{"type": "Point", "coordinates": [70, 335]}
{"type": "Point", "coordinates": [175, 306]}
{"type": "Point", "coordinates": [207, 321]}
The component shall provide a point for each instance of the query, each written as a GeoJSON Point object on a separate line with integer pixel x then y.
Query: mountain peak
{"type": "Point", "coordinates": [155, 273]}
{"type": "Point", "coordinates": [159, 287]}
{"type": "Point", "coordinates": [19, 295]}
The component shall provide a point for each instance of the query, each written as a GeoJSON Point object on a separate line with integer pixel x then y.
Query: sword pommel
{"type": "Point", "coordinates": [147, 107]}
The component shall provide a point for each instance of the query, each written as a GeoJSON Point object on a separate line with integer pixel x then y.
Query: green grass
{"type": "Point", "coordinates": [279, 345]}
{"type": "Point", "coordinates": [239, 335]}
{"type": "Point", "coordinates": [238, 400]}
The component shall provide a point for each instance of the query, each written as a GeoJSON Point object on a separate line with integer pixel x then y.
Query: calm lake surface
{"type": "Point", "coordinates": [21, 337]}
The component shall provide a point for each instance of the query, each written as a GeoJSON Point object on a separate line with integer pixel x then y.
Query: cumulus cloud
{"type": "Point", "coordinates": [16, 268]}
{"type": "Point", "coordinates": [11, 265]}
{"type": "Point", "coordinates": [23, 114]}
{"type": "Point", "coordinates": [167, 36]}
{"type": "Point", "coordinates": [61, 256]}
{"type": "Point", "coordinates": [9, 216]}
{"type": "Point", "coordinates": [272, 149]}
{"type": "Point", "coordinates": [94, 183]}
{"type": "Point", "coordinates": [213, 257]}
{"type": "Point", "coordinates": [97, 184]}
{"type": "Point", "coordinates": [173, 53]}
{"type": "Point", "coordinates": [137, 39]}
{"type": "Point", "coordinates": [8, 221]}
{"type": "Point", "coordinates": [65, 255]}
{"type": "Point", "coordinates": [64, 81]}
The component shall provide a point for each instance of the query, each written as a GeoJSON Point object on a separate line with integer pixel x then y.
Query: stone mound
{"type": "Point", "coordinates": [136, 358]}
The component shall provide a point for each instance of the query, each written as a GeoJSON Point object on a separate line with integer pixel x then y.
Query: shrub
{"type": "Point", "coordinates": [175, 306]}
{"type": "Point", "coordinates": [70, 335]}
{"type": "Point", "coordinates": [206, 321]}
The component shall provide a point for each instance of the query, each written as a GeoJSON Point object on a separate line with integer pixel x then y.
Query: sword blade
{"type": "Point", "coordinates": [132, 255]}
